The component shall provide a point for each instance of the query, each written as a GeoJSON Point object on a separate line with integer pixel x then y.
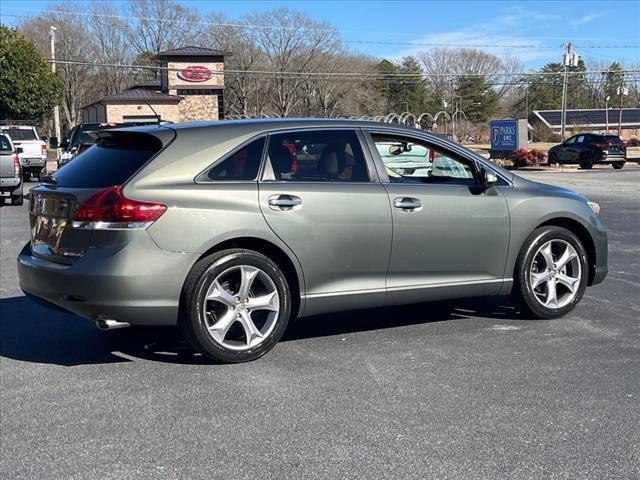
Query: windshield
{"type": "Point", "coordinates": [20, 134]}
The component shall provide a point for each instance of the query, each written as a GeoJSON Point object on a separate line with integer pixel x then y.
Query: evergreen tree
{"type": "Point", "coordinates": [476, 97]}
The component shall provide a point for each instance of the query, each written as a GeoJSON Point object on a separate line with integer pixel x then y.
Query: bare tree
{"type": "Point", "coordinates": [291, 42]}
{"type": "Point", "coordinates": [243, 56]}
{"type": "Point", "coordinates": [459, 61]}
{"type": "Point", "coordinates": [72, 43]}
{"type": "Point", "coordinates": [111, 46]}
{"type": "Point", "coordinates": [156, 25]}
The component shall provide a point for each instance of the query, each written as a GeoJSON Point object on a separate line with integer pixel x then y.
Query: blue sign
{"type": "Point", "coordinates": [504, 134]}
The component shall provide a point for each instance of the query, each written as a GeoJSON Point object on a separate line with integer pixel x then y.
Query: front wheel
{"type": "Point", "coordinates": [551, 273]}
{"type": "Point", "coordinates": [618, 165]}
{"type": "Point", "coordinates": [553, 159]}
{"type": "Point", "coordinates": [235, 306]}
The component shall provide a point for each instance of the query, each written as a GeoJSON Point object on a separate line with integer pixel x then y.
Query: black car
{"type": "Point", "coordinates": [588, 149]}
{"type": "Point", "coordinates": [79, 140]}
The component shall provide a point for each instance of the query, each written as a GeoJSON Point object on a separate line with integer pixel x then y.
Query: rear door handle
{"type": "Point", "coordinates": [407, 203]}
{"type": "Point", "coordinates": [284, 202]}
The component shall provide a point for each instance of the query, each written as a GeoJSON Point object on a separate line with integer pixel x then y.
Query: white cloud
{"type": "Point", "coordinates": [585, 19]}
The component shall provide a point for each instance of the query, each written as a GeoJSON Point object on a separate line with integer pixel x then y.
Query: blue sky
{"type": "Point", "coordinates": [541, 26]}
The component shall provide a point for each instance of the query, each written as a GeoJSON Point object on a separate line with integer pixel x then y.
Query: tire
{"type": "Point", "coordinates": [531, 266]}
{"type": "Point", "coordinates": [236, 342]}
{"type": "Point", "coordinates": [618, 165]}
{"type": "Point", "coordinates": [586, 162]}
{"type": "Point", "coordinates": [41, 173]}
{"type": "Point", "coordinates": [553, 159]}
{"type": "Point", "coordinates": [17, 199]}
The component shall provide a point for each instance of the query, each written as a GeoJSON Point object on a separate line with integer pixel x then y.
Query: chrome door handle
{"type": "Point", "coordinates": [407, 204]}
{"type": "Point", "coordinates": [284, 202]}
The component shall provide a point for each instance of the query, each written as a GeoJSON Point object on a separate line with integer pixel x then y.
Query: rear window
{"type": "Point", "coordinates": [611, 139]}
{"type": "Point", "coordinates": [20, 134]}
{"type": "Point", "coordinates": [112, 161]}
{"type": "Point", "coordinates": [5, 144]}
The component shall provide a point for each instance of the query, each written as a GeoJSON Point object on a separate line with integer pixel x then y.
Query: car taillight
{"type": "Point", "coordinates": [44, 150]}
{"type": "Point", "coordinates": [109, 209]}
{"type": "Point", "coordinates": [16, 165]}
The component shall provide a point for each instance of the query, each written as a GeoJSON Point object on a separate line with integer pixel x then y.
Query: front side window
{"type": "Point", "coordinates": [570, 141]}
{"type": "Point", "coordinates": [408, 160]}
{"type": "Point", "coordinates": [323, 156]}
{"type": "Point", "coordinates": [243, 164]}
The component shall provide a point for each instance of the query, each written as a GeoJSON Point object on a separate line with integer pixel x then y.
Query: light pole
{"type": "Point", "coordinates": [56, 110]}
{"type": "Point", "coordinates": [606, 112]}
{"type": "Point", "coordinates": [622, 90]}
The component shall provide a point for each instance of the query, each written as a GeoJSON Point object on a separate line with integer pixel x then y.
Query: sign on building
{"type": "Point", "coordinates": [507, 136]}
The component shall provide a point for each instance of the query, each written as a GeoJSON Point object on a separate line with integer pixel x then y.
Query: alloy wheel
{"type": "Point", "coordinates": [555, 274]}
{"type": "Point", "coordinates": [241, 307]}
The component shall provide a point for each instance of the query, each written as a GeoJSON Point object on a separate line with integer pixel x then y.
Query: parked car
{"type": "Point", "coordinates": [33, 157]}
{"type": "Point", "coordinates": [588, 149]}
{"type": "Point", "coordinates": [205, 226]}
{"type": "Point", "coordinates": [79, 140]}
{"type": "Point", "coordinates": [10, 171]}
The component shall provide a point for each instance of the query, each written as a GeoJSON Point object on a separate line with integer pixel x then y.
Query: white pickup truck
{"type": "Point", "coordinates": [34, 151]}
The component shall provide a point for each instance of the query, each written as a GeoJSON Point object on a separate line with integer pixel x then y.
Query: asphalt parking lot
{"type": "Point", "coordinates": [452, 390]}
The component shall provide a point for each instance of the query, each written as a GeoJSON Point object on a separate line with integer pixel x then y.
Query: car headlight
{"type": "Point", "coordinates": [595, 207]}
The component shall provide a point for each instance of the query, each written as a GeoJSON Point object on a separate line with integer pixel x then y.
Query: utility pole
{"type": "Point", "coordinates": [606, 112]}
{"type": "Point", "coordinates": [56, 109]}
{"type": "Point", "coordinates": [570, 60]}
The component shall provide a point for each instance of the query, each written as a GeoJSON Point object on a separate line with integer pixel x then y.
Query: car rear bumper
{"type": "Point", "coordinates": [136, 283]}
{"type": "Point", "coordinates": [33, 162]}
{"type": "Point", "coordinates": [10, 182]}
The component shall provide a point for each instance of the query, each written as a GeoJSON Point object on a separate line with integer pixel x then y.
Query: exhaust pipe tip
{"type": "Point", "coordinates": [110, 324]}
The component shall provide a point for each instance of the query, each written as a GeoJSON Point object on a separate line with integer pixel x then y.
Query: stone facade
{"type": "Point", "coordinates": [195, 108]}
{"type": "Point", "coordinates": [117, 112]}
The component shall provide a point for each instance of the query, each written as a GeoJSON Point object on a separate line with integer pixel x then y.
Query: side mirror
{"type": "Point", "coordinates": [489, 179]}
{"type": "Point", "coordinates": [53, 142]}
{"type": "Point", "coordinates": [19, 150]}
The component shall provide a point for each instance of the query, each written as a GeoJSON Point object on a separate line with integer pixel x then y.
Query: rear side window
{"type": "Point", "coordinates": [5, 144]}
{"type": "Point", "coordinates": [317, 156]}
{"type": "Point", "coordinates": [112, 161]}
{"type": "Point", "coordinates": [20, 134]}
{"type": "Point", "coordinates": [243, 164]}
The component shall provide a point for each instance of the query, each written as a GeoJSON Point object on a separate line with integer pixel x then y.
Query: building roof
{"type": "Point", "coordinates": [138, 95]}
{"type": "Point", "coordinates": [189, 51]}
{"type": "Point", "coordinates": [153, 84]}
{"type": "Point", "coordinates": [588, 118]}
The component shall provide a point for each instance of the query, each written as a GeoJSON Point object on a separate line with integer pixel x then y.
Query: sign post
{"type": "Point", "coordinates": [507, 136]}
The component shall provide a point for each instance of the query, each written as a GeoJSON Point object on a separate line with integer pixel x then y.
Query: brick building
{"type": "Point", "coordinates": [190, 88]}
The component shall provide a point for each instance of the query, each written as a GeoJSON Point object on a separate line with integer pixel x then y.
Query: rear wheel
{"type": "Point", "coordinates": [618, 165]}
{"type": "Point", "coordinates": [551, 273]}
{"type": "Point", "coordinates": [235, 306]}
{"type": "Point", "coordinates": [553, 158]}
{"type": "Point", "coordinates": [17, 199]}
{"type": "Point", "coordinates": [586, 162]}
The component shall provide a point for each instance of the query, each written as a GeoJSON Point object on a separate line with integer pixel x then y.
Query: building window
{"type": "Point", "coordinates": [199, 91]}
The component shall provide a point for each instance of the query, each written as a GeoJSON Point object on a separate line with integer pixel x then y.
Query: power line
{"type": "Point", "coordinates": [338, 74]}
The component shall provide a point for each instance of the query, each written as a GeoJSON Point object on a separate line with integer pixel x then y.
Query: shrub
{"type": "Point", "coordinates": [528, 158]}
{"type": "Point", "coordinates": [633, 142]}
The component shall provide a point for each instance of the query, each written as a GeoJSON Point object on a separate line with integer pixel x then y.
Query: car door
{"type": "Point", "coordinates": [565, 155]}
{"type": "Point", "coordinates": [450, 237]}
{"type": "Point", "coordinates": [320, 194]}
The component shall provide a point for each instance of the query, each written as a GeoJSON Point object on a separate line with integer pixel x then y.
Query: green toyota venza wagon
{"type": "Point", "coordinates": [231, 229]}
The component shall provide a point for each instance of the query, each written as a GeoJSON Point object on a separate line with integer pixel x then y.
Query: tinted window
{"type": "Point", "coordinates": [19, 134]}
{"type": "Point", "coordinates": [611, 139]}
{"type": "Point", "coordinates": [327, 156]}
{"type": "Point", "coordinates": [5, 144]}
{"type": "Point", "coordinates": [240, 165]}
{"type": "Point", "coordinates": [570, 141]}
{"type": "Point", "coordinates": [111, 162]}
{"type": "Point", "coordinates": [408, 160]}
